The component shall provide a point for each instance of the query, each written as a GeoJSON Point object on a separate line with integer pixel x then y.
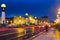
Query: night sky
{"type": "Point", "coordinates": [37, 8]}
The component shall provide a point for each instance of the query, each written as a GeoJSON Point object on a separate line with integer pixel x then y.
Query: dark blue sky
{"type": "Point", "coordinates": [37, 8]}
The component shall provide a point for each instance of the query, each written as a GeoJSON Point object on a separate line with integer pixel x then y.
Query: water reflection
{"type": "Point", "coordinates": [57, 35]}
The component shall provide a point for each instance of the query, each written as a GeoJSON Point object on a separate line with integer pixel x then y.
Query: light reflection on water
{"type": "Point", "coordinates": [20, 32]}
{"type": "Point", "coordinates": [57, 35]}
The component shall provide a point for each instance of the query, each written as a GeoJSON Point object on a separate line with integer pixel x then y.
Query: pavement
{"type": "Point", "coordinates": [51, 35]}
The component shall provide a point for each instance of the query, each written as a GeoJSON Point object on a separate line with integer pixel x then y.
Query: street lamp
{"type": "Point", "coordinates": [57, 20]}
{"type": "Point", "coordinates": [20, 16]}
{"type": "Point", "coordinates": [58, 10]}
{"type": "Point", "coordinates": [26, 14]}
{"type": "Point", "coordinates": [58, 15]}
{"type": "Point", "coordinates": [27, 20]}
{"type": "Point", "coordinates": [3, 6]}
{"type": "Point", "coordinates": [35, 17]}
{"type": "Point", "coordinates": [35, 20]}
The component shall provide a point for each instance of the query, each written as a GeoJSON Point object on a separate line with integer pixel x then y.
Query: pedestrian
{"type": "Point", "coordinates": [59, 27]}
{"type": "Point", "coordinates": [46, 28]}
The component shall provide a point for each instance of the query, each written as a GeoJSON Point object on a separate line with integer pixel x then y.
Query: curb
{"type": "Point", "coordinates": [36, 35]}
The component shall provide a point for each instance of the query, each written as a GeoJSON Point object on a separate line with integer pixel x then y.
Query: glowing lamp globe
{"type": "Point", "coordinates": [3, 5]}
{"type": "Point", "coordinates": [26, 14]}
{"type": "Point", "coordinates": [59, 10]}
{"type": "Point", "coordinates": [35, 17]}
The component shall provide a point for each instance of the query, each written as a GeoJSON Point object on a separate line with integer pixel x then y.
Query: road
{"type": "Point", "coordinates": [51, 35]}
{"type": "Point", "coordinates": [11, 34]}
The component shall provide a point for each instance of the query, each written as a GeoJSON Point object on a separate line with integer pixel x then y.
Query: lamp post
{"type": "Point", "coordinates": [35, 20]}
{"type": "Point", "coordinates": [26, 14]}
{"type": "Point", "coordinates": [27, 20]}
{"type": "Point", "coordinates": [58, 20]}
{"type": "Point", "coordinates": [58, 15]}
{"type": "Point", "coordinates": [3, 6]}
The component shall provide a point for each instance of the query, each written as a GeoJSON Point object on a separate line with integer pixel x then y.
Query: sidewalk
{"type": "Point", "coordinates": [51, 35]}
{"type": "Point", "coordinates": [46, 36]}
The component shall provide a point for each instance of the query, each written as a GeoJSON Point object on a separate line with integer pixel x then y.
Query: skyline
{"type": "Point", "coordinates": [37, 8]}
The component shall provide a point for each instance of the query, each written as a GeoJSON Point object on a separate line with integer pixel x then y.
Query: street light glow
{"type": "Point", "coordinates": [35, 17]}
{"type": "Point", "coordinates": [58, 10]}
{"type": "Point", "coordinates": [26, 14]}
{"type": "Point", "coordinates": [19, 16]}
{"type": "Point", "coordinates": [3, 5]}
{"type": "Point", "coordinates": [57, 15]}
{"type": "Point", "coordinates": [57, 20]}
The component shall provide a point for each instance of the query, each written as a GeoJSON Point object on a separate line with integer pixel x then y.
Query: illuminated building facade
{"type": "Point", "coordinates": [9, 20]}
{"type": "Point", "coordinates": [58, 16]}
{"type": "Point", "coordinates": [18, 20]}
{"type": "Point", "coordinates": [31, 19]}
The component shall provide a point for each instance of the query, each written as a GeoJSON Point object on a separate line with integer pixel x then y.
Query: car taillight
{"type": "Point", "coordinates": [43, 26]}
{"type": "Point", "coordinates": [49, 26]}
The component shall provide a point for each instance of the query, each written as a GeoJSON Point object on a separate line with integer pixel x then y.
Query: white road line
{"type": "Point", "coordinates": [8, 34]}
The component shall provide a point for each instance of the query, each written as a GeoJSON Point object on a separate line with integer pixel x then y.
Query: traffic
{"type": "Point", "coordinates": [22, 33]}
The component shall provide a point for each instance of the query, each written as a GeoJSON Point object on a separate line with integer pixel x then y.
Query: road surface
{"type": "Point", "coordinates": [51, 35]}
{"type": "Point", "coordinates": [11, 34]}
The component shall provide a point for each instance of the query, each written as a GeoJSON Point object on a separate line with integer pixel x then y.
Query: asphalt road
{"type": "Point", "coordinates": [8, 34]}
{"type": "Point", "coordinates": [11, 34]}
